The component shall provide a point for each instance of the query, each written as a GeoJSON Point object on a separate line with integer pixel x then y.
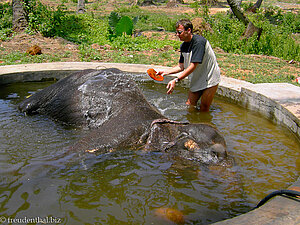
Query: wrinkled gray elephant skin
{"type": "Point", "coordinates": [89, 98]}
{"type": "Point", "coordinates": [118, 116]}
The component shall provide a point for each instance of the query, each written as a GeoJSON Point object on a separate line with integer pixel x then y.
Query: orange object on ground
{"type": "Point", "coordinates": [153, 74]}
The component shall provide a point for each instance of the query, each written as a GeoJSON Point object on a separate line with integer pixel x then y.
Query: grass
{"type": "Point", "coordinates": [258, 69]}
{"type": "Point", "coordinates": [252, 68]}
{"type": "Point", "coordinates": [18, 57]}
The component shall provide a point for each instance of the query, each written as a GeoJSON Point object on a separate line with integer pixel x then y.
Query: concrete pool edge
{"type": "Point", "coordinates": [279, 102]}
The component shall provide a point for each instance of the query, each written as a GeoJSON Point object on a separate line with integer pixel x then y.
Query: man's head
{"type": "Point", "coordinates": [184, 30]}
{"type": "Point", "coordinates": [186, 23]}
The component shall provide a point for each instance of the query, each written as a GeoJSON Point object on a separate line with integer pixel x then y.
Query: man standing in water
{"type": "Point", "coordinates": [198, 61]}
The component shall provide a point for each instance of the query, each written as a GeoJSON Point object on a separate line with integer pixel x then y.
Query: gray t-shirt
{"type": "Point", "coordinates": [207, 73]}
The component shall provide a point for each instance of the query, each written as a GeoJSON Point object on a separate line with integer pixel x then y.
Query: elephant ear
{"type": "Point", "coordinates": [125, 25]}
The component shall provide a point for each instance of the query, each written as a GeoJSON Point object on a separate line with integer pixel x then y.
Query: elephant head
{"type": "Point", "coordinates": [199, 142]}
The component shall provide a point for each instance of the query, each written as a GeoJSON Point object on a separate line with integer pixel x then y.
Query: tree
{"type": "Point", "coordinates": [237, 11]}
{"type": "Point", "coordinates": [19, 15]}
{"type": "Point", "coordinates": [81, 6]}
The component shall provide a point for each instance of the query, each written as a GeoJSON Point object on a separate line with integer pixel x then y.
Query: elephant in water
{"type": "Point", "coordinates": [117, 116]}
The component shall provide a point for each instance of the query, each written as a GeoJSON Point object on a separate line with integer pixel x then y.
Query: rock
{"type": "Point", "coordinates": [34, 50]}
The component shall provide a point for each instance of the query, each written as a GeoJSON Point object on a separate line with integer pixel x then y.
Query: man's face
{"type": "Point", "coordinates": [184, 35]}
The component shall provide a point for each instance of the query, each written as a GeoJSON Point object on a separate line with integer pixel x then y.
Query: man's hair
{"type": "Point", "coordinates": [186, 23]}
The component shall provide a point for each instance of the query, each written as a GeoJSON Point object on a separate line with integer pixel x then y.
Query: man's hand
{"type": "Point", "coordinates": [162, 73]}
{"type": "Point", "coordinates": [171, 85]}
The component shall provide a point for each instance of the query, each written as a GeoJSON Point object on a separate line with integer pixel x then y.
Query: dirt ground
{"type": "Point", "coordinates": [22, 41]}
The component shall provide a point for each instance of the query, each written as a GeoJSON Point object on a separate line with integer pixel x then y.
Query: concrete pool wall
{"type": "Point", "coordinates": [279, 102]}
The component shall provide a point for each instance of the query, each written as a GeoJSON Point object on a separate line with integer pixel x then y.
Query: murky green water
{"type": "Point", "coordinates": [38, 181]}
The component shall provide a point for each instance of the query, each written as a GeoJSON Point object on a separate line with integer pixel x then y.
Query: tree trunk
{"type": "Point", "coordinates": [237, 11]}
{"type": "Point", "coordinates": [251, 28]}
{"type": "Point", "coordinates": [255, 6]}
{"type": "Point", "coordinates": [19, 16]}
{"type": "Point", "coordinates": [81, 6]}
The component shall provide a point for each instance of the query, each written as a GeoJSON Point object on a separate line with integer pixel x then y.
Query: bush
{"type": "Point", "coordinates": [5, 21]}
{"type": "Point", "coordinates": [226, 34]}
{"type": "Point", "coordinates": [275, 40]}
{"type": "Point", "coordinates": [119, 25]}
{"type": "Point", "coordinates": [44, 19]}
{"type": "Point", "coordinates": [84, 29]}
{"type": "Point", "coordinates": [5, 16]}
{"type": "Point", "coordinates": [5, 33]}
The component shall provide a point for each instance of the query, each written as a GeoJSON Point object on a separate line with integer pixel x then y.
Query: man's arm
{"type": "Point", "coordinates": [188, 71]}
{"type": "Point", "coordinates": [171, 85]}
{"type": "Point", "coordinates": [175, 69]}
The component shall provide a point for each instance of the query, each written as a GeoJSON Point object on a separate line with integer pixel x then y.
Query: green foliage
{"type": "Point", "coordinates": [275, 40]}
{"type": "Point", "coordinates": [73, 28]}
{"type": "Point", "coordinates": [124, 26]}
{"type": "Point", "coordinates": [5, 16]}
{"type": "Point", "coordinates": [119, 25]}
{"type": "Point", "coordinates": [89, 54]}
{"type": "Point", "coordinates": [288, 22]}
{"type": "Point", "coordinates": [200, 9]}
{"type": "Point", "coordinates": [113, 20]}
{"type": "Point", "coordinates": [5, 33]}
{"type": "Point", "coordinates": [44, 19]}
{"type": "Point", "coordinates": [227, 31]}
{"type": "Point", "coordinates": [161, 22]}
{"type": "Point", "coordinates": [141, 43]}
{"type": "Point", "coordinates": [5, 21]}
{"type": "Point", "coordinates": [84, 29]}
{"type": "Point", "coordinates": [150, 20]}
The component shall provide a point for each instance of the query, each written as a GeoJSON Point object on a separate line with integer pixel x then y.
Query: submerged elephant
{"type": "Point", "coordinates": [118, 116]}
